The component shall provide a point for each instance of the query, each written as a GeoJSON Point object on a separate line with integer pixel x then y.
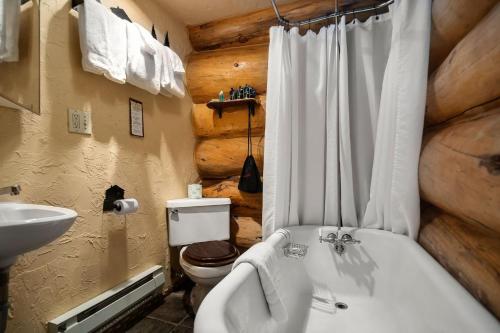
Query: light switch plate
{"type": "Point", "coordinates": [79, 121]}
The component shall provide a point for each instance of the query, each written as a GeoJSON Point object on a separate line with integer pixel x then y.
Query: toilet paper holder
{"type": "Point", "coordinates": [113, 193]}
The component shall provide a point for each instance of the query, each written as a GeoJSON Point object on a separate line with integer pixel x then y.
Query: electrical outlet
{"type": "Point", "coordinates": [79, 121]}
{"type": "Point", "coordinates": [86, 122]}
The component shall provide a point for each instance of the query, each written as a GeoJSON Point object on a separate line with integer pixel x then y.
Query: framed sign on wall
{"type": "Point", "coordinates": [136, 118]}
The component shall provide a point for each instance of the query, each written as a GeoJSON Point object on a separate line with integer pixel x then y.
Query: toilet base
{"type": "Point", "coordinates": [198, 294]}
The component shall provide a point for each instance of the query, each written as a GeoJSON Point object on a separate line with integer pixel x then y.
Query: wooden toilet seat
{"type": "Point", "coordinates": [211, 254]}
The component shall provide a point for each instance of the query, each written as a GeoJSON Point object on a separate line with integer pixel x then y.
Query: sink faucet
{"type": "Point", "coordinates": [339, 241]}
{"type": "Point", "coordinates": [12, 190]}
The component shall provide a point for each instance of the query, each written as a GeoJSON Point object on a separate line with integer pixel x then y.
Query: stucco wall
{"type": "Point", "coordinates": [57, 168]}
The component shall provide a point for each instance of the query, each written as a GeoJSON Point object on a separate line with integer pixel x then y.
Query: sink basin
{"type": "Point", "coordinates": [26, 227]}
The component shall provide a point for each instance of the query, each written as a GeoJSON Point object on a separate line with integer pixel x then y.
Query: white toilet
{"type": "Point", "coordinates": [202, 225]}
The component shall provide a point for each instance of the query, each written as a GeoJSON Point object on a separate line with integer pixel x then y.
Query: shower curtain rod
{"type": "Point", "coordinates": [284, 21]}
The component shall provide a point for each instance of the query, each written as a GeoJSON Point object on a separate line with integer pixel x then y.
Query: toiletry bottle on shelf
{"type": "Point", "coordinates": [231, 93]}
{"type": "Point", "coordinates": [221, 96]}
{"type": "Point", "coordinates": [246, 91]}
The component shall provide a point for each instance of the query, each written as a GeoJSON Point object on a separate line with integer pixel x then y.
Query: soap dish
{"type": "Point", "coordinates": [294, 250]}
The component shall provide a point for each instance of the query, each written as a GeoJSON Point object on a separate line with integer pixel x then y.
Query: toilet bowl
{"type": "Point", "coordinates": [205, 269]}
{"type": "Point", "coordinates": [201, 226]}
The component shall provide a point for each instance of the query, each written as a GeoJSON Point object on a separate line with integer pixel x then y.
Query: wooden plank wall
{"type": "Point", "coordinates": [459, 170]}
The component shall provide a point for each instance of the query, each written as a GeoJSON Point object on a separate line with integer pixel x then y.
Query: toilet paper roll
{"type": "Point", "coordinates": [125, 206]}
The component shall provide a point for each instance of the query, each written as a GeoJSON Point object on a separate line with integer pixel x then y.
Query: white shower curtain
{"type": "Point", "coordinates": [382, 83]}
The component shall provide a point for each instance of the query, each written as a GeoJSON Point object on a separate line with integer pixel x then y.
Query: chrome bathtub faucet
{"type": "Point", "coordinates": [12, 190]}
{"type": "Point", "coordinates": [339, 242]}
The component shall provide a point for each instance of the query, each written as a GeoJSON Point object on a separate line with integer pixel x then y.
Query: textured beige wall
{"type": "Point", "coordinates": [57, 168]}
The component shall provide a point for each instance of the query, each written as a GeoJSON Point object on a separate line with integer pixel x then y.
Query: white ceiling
{"type": "Point", "coordinates": [193, 12]}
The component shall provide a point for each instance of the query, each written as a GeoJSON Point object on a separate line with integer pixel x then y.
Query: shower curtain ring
{"type": "Point", "coordinates": [376, 12]}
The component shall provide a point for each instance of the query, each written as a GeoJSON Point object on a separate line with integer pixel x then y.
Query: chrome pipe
{"type": "Point", "coordinates": [337, 106]}
{"type": "Point", "coordinates": [336, 14]}
{"type": "Point", "coordinates": [276, 11]}
{"type": "Point", "coordinates": [12, 190]}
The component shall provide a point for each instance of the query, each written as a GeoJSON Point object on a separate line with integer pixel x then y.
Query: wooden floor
{"type": "Point", "coordinates": [169, 317]}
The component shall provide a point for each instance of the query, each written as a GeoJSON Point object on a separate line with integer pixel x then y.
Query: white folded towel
{"type": "Point", "coordinates": [144, 64]}
{"type": "Point", "coordinates": [103, 41]}
{"type": "Point", "coordinates": [173, 74]}
{"type": "Point", "coordinates": [264, 257]}
{"type": "Point", "coordinates": [167, 72]}
{"type": "Point", "coordinates": [117, 48]}
{"type": "Point", "coordinates": [10, 12]}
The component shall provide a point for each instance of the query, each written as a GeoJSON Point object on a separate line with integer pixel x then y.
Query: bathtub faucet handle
{"type": "Point", "coordinates": [330, 238]}
{"type": "Point", "coordinates": [347, 239]}
{"type": "Point", "coordinates": [339, 242]}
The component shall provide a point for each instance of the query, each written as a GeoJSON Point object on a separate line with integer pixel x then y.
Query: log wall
{"type": "Point", "coordinates": [253, 28]}
{"type": "Point", "coordinates": [470, 74]}
{"type": "Point", "coordinates": [469, 251]}
{"type": "Point", "coordinates": [207, 124]}
{"type": "Point", "coordinates": [210, 72]}
{"type": "Point", "coordinates": [459, 169]}
{"type": "Point", "coordinates": [451, 21]}
{"type": "Point", "coordinates": [222, 142]}
{"type": "Point", "coordinates": [222, 158]}
{"type": "Point", "coordinates": [461, 163]}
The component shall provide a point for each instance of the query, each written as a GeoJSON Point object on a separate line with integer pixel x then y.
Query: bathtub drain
{"type": "Point", "coordinates": [341, 306]}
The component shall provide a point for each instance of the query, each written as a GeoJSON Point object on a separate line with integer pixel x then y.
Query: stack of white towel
{"type": "Point", "coordinates": [126, 52]}
{"type": "Point", "coordinates": [10, 11]}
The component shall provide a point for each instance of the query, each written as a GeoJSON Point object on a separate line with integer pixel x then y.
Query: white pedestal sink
{"type": "Point", "coordinates": [26, 227]}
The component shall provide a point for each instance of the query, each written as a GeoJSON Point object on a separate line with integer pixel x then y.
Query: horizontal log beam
{"type": "Point", "coordinates": [210, 72]}
{"type": "Point", "coordinates": [459, 169]}
{"type": "Point", "coordinates": [253, 28]}
{"type": "Point", "coordinates": [478, 112]}
{"type": "Point", "coordinates": [470, 74]}
{"type": "Point", "coordinates": [228, 188]}
{"type": "Point", "coordinates": [222, 158]}
{"type": "Point", "coordinates": [246, 210]}
{"type": "Point", "coordinates": [234, 121]}
{"type": "Point", "coordinates": [451, 21]}
{"type": "Point", "coordinates": [245, 232]}
{"type": "Point", "coordinates": [469, 252]}
{"type": "Point", "coordinates": [240, 211]}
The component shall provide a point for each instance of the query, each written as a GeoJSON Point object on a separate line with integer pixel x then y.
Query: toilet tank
{"type": "Point", "coordinates": [197, 220]}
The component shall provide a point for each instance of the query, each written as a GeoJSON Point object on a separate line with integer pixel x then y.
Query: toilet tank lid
{"type": "Point", "coordinates": [178, 203]}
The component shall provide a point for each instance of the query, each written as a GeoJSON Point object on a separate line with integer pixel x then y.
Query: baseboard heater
{"type": "Point", "coordinates": [97, 313]}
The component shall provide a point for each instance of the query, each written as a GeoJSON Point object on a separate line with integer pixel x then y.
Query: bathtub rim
{"type": "Point", "coordinates": [219, 296]}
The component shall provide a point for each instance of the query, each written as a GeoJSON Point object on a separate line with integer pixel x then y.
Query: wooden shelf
{"type": "Point", "coordinates": [220, 106]}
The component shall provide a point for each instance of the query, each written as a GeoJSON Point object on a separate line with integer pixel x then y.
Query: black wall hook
{"type": "Point", "coordinates": [153, 32]}
{"type": "Point", "coordinates": [166, 42]}
{"type": "Point", "coordinates": [120, 12]}
{"type": "Point", "coordinates": [115, 10]}
{"type": "Point", "coordinates": [113, 193]}
{"type": "Point", "coordinates": [75, 3]}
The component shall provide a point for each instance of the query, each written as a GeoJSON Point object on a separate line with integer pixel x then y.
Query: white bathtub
{"type": "Point", "coordinates": [389, 283]}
